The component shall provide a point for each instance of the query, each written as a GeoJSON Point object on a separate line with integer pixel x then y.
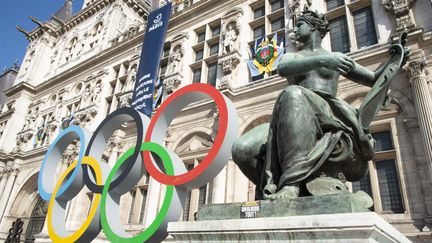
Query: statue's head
{"type": "Point", "coordinates": [315, 20]}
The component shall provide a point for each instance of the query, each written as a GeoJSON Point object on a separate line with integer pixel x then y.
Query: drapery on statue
{"type": "Point", "coordinates": [312, 134]}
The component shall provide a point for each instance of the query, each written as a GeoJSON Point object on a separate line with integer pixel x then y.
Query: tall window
{"type": "Point", "coordinates": [215, 31]}
{"type": "Point", "coordinates": [196, 75]}
{"type": "Point", "coordinates": [143, 203]}
{"type": "Point", "coordinates": [187, 203]}
{"type": "Point", "coordinates": [277, 24]}
{"type": "Point", "coordinates": [132, 207]}
{"type": "Point", "coordinates": [214, 49]}
{"type": "Point", "coordinates": [199, 55]}
{"type": "Point", "coordinates": [259, 12]}
{"type": "Point", "coordinates": [259, 32]}
{"type": "Point", "coordinates": [201, 37]}
{"type": "Point", "coordinates": [37, 220]}
{"type": "Point", "coordinates": [212, 74]}
{"type": "Point", "coordinates": [364, 27]}
{"type": "Point", "coordinates": [276, 4]}
{"type": "Point", "coordinates": [384, 174]}
{"type": "Point", "coordinates": [339, 35]}
{"type": "Point", "coordinates": [346, 37]}
{"type": "Point", "coordinates": [332, 4]}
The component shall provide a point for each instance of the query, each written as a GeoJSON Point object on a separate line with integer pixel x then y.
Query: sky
{"type": "Point", "coordinates": [13, 43]}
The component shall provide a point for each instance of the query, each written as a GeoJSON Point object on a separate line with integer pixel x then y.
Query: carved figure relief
{"type": "Point", "coordinates": [97, 93]}
{"type": "Point", "coordinates": [175, 60]}
{"type": "Point", "coordinates": [86, 99]}
{"type": "Point", "coordinates": [230, 36]}
{"type": "Point", "coordinates": [402, 11]}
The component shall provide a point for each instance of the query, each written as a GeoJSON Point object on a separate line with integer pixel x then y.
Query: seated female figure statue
{"type": "Point", "coordinates": [311, 132]}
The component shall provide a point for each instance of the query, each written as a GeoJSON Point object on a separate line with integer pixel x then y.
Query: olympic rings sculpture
{"type": "Point", "coordinates": [109, 184]}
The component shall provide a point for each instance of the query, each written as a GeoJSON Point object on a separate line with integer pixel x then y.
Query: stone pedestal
{"type": "Point", "coordinates": [347, 227]}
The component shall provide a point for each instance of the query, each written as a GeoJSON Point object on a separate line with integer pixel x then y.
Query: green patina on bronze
{"type": "Point", "coordinates": [328, 204]}
{"type": "Point", "coordinates": [312, 133]}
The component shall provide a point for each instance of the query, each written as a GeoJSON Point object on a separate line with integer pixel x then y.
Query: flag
{"type": "Point", "coordinates": [266, 56]}
{"type": "Point", "coordinates": [158, 94]}
{"type": "Point", "coordinates": [154, 37]}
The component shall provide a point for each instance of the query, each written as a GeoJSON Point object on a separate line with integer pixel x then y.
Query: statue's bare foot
{"type": "Point", "coordinates": [289, 192]}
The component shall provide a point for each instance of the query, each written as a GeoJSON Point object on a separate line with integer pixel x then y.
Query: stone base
{"type": "Point", "coordinates": [328, 204]}
{"type": "Point", "coordinates": [349, 228]}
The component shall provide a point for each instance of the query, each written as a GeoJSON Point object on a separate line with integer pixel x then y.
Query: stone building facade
{"type": "Point", "coordinates": [79, 68]}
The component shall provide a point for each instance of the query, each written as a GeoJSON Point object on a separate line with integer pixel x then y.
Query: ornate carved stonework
{"type": "Point", "coordinates": [70, 153]}
{"type": "Point", "coordinates": [175, 60]}
{"type": "Point", "coordinates": [402, 11]}
{"type": "Point", "coordinates": [23, 139]}
{"type": "Point", "coordinates": [172, 82]}
{"type": "Point", "coordinates": [230, 37]}
{"type": "Point", "coordinates": [417, 68]}
{"type": "Point", "coordinates": [124, 100]}
{"type": "Point", "coordinates": [83, 117]}
{"type": "Point", "coordinates": [295, 7]}
{"type": "Point", "coordinates": [115, 141]}
{"type": "Point", "coordinates": [229, 64]}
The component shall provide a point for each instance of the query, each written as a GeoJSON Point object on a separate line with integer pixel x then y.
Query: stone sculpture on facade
{"type": "Point", "coordinates": [315, 141]}
{"type": "Point", "coordinates": [230, 38]}
{"type": "Point", "coordinates": [173, 76]}
{"type": "Point", "coordinates": [86, 99]}
{"type": "Point", "coordinates": [402, 11]}
{"type": "Point", "coordinates": [175, 60]}
{"type": "Point", "coordinates": [231, 56]}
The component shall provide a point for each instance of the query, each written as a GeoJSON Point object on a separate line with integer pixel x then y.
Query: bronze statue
{"type": "Point", "coordinates": [313, 134]}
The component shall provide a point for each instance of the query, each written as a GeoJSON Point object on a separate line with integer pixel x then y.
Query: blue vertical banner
{"type": "Point", "coordinates": [154, 38]}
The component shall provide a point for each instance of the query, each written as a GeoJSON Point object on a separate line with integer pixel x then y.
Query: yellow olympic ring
{"type": "Point", "coordinates": [55, 237]}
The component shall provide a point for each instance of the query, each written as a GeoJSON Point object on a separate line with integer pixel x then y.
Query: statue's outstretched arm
{"type": "Point", "coordinates": [362, 75]}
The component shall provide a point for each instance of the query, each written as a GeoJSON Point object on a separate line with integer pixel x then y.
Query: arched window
{"type": "Point", "coordinates": [96, 34]}
{"type": "Point", "coordinates": [37, 220]}
{"type": "Point", "coordinates": [71, 48]}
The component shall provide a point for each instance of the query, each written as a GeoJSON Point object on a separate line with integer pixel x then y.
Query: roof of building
{"type": "Point", "coordinates": [66, 12]}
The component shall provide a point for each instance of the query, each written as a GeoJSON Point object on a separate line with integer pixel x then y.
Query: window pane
{"type": "Point", "coordinates": [215, 31]}
{"type": "Point", "coordinates": [166, 51]}
{"type": "Point", "coordinates": [383, 141]}
{"type": "Point", "coordinates": [143, 205]}
{"type": "Point", "coordinates": [188, 197]}
{"type": "Point", "coordinates": [364, 27]}
{"type": "Point", "coordinates": [201, 37]}
{"type": "Point", "coordinates": [259, 12]}
{"type": "Point", "coordinates": [163, 69]}
{"type": "Point", "coordinates": [339, 35]}
{"type": "Point", "coordinates": [196, 75]}
{"type": "Point", "coordinates": [259, 32]}
{"type": "Point", "coordinates": [214, 49]}
{"type": "Point", "coordinates": [277, 4]}
{"type": "Point", "coordinates": [131, 211]}
{"type": "Point", "coordinates": [332, 4]}
{"type": "Point", "coordinates": [211, 76]}
{"type": "Point", "coordinates": [364, 185]}
{"type": "Point", "coordinates": [391, 198]}
{"type": "Point", "coordinates": [199, 55]}
{"type": "Point", "coordinates": [202, 196]}
{"type": "Point", "coordinates": [277, 24]}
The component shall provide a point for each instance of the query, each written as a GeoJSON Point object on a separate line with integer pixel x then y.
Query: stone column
{"type": "Point", "coordinates": [7, 191]}
{"type": "Point", "coordinates": [219, 184]}
{"type": "Point", "coordinates": [3, 175]}
{"type": "Point", "coordinates": [417, 71]}
{"type": "Point", "coordinates": [114, 147]}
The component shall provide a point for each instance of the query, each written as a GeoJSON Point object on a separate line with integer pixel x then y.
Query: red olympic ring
{"type": "Point", "coordinates": [222, 129]}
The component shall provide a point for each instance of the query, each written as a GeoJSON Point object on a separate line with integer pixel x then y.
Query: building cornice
{"type": "Point", "coordinates": [21, 87]}
{"type": "Point", "coordinates": [86, 13]}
